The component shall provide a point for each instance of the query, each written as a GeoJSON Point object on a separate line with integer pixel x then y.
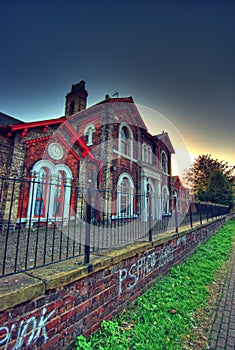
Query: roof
{"type": "Point", "coordinates": [12, 124]}
{"type": "Point", "coordinates": [164, 137]}
{"type": "Point", "coordinates": [117, 99]}
{"type": "Point", "coordinates": [174, 179]}
{"type": "Point", "coordinates": [177, 183]}
{"type": "Point", "coordinates": [6, 119]}
{"type": "Point", "coordinates": [136, 118]}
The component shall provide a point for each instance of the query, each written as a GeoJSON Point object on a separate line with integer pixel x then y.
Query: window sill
{"type": "Point", "coordinates": [121, 217]}
{"type": "Point", "coordinates": [125, 156]}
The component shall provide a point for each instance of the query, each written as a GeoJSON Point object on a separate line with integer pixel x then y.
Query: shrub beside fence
{"type": "Point", "coordinates": [37, 231]}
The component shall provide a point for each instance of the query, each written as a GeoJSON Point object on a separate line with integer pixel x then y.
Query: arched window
{"type": "Point", "coordinates": [165, 200]}
{"type": "Point", "coordinates": [125, 196]}
{"type": "Point", "coordinates": [175, 200]}
{"type": "Point", "coordinates": [50, 191]}
{"type": "Point", "coordinates": [150, 200]}
{"type": "Point", "coordinates": [146, 153]}
{"type": "Point", "coordinates": [164, 162]}
{"type": "Point", "coordinates": [59, 190]}
{"type": "Point", "coordinates": [88, 131]}
{"type": "Point", "coordinates": [150, 159]}
{"type": "Point", "coordinates": [41, 192]}
{"type": "Point", "coordinates": [125, 140]}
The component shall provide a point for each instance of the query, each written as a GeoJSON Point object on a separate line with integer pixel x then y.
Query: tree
{"type": "Point", "coordinates": [219, 189]}
{"type": "Point", "coordinates": [197, 177]}
{"type": "Point", "coordinates": [201, 195]}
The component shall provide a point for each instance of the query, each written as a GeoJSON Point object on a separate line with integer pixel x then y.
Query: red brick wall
{"type": "Point", "coordinates": [54, 320]}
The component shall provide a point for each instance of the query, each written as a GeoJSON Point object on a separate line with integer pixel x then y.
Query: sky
{"type": "Point", "coordinates": [176, 58]}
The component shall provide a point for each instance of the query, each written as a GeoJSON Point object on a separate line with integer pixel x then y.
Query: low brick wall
{"type": "Point", "coordinates": [48, 307]}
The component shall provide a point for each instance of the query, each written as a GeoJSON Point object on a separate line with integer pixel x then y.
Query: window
{"type": "Point", "coordinates": [150, 200]}
{"type": "Point", "coordinates": [125, 196]}
{"type": "Point", "coordinates": [125, 140]}
{"type": "Point", "coordinates": [175, 200]}
{"type": "Point", "coordinates": [88, 131]}
{"type": "Point", "coordinates": [50, 191]}
{"type": "Point", "coordinates": [165, 200]}
{"type": "Point", "coordinates": [146, 153]}
{"type": "Point", "coordinates": [164, 162]}
{"type": "Point", "coordinates": [41, 193]}
{"type": "Point", "coordinates": [150, 155]}
{"type": "Point", "coordinates": [59, 189]}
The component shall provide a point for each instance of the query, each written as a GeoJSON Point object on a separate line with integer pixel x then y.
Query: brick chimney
{"type": "Point", "coordinates": [76, 99]}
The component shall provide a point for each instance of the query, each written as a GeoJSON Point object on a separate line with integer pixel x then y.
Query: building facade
{"type": "Point", "coordinates": [106, 147]}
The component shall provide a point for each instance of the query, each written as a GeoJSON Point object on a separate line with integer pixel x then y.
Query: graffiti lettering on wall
{"type": "Point", "coordinates": [128, 278]}
{"type": "Point", "coordinates": [182, 240]}
{"type": "Point", "coordinates": [28, 331]}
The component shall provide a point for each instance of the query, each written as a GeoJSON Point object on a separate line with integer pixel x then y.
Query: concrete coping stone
{"type": "Point", "coordinates": [17, 289]}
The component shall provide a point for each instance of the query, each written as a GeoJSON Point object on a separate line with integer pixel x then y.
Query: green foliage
{"type": "Point", "coordinates": [201, 195]}
{"type": "Point", "coordinates": [219, 189]}
{"type": "Point", "coordinates": [163, 316]}
{"type": "Point", "coordinates": [113, 336]}
{"type": "Point", "coordinates": [82, 344]}
{"type": "Point", "coordinates": [198, 175]}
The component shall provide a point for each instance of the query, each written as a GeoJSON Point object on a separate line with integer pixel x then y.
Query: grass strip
{"type": "Point", "coordinates": [164, 316]}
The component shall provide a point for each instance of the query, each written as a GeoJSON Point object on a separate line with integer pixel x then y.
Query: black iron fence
{"type": "Point", "coordinates": [46, 220]}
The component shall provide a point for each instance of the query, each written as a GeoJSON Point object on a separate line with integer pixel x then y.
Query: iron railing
{"type": "Point", "coordinates": [49, 220]}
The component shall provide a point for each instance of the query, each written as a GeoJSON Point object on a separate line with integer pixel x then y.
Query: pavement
{"type": "Point", "coordinates": [222, 336]}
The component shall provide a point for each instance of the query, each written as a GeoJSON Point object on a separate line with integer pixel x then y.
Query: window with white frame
{"type": "Point", "coordinates": [164, 162]}
{"type": "Point", "coordinates": [165, 200]}
{"type": "Point", "coordinates": [125, 140]}
{"type": "Point", "coordinates": [59, 192]}
{"type": "Point", "coordinates": [125, 196]}
{"type": "Point", "coordinates": [175, 200]}
{"type": "Point", "coordinates": [88, 131]}
{"type": "Point", "coordinates": [49, 191]}
{"type": "Point", "coordinates": [41, 192]}
{"type": "Point", "coordinates": [146, 153]}
{"type": "Point", "coordinates": [150, 200]}
{"type": "Point", "coordinates": [150, 154]}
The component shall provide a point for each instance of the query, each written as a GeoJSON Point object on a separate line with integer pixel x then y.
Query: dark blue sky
{"type": "Point", "coordinates": [176, 57]}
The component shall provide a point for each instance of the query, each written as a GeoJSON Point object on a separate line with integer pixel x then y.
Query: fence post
{"type": "Point", "coordinates": [190, 214]}
{"type": "Point", "coordinates": [150, 216]}
{"type": "Point", "coordinates": [174, 206]}
{"type": "Point", "coordinates": [200, 211]}
{"type": "Point", "coordinates": [176, 221]}
{"type": "Point", "coordinates": [88, 224]}
{"type": "Point", "coordinates": [8, 225]}
{"type": "Point", "coordinates": [207, 214]}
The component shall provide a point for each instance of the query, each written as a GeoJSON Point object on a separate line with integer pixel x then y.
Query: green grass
{"type": "Point", "coordinates": [163, 316]}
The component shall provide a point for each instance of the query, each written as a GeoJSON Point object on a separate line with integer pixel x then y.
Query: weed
{"type": "Point", "coordinates": [82, 344]}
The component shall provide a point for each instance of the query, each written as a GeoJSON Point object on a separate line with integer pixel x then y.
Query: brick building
{"type": "Point", "coordinates": [107, 145]}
